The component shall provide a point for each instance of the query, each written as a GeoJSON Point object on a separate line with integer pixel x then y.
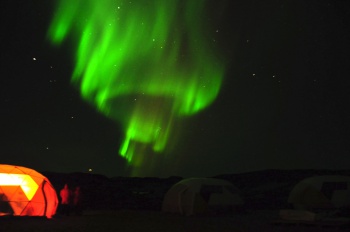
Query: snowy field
{"type": "Point", "coordinates": [137, 220]}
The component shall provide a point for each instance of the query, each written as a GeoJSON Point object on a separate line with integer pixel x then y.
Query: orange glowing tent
{"type": "Point", "coordinates": [25, 192]}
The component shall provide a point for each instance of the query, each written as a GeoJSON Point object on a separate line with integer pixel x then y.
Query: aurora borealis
{"type": "Point", "coordinates": [280, 69]}
{"type": "Point", "coordinates": [144, 64]}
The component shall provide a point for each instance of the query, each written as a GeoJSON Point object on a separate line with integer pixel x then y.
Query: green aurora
{"type": "Point", "coordinates": [144, 64]}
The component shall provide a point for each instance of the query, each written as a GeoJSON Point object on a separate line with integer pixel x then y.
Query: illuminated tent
{"type": "Point", "coordinates": [25, 192]}
{"type": "Point", "coordinates": [201, 195]}
{"type": "Point", "coordinates": [321, 192]}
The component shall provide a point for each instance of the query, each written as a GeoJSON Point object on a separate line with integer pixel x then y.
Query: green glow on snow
{"type": "Point", "coordinates": [142, 63]}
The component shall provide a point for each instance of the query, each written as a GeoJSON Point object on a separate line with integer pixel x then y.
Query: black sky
{"type": "Point", "coordinates": [284, 102]}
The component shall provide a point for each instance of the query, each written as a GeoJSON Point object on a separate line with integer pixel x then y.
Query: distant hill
{"type": "Point", "coordinates": [268, 189]}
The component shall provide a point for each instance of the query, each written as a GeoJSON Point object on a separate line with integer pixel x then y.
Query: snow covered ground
{"type": "Point", "coordinates": [137, 220]}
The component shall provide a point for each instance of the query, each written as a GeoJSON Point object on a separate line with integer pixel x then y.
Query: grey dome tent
{"type": "Point", "coordinates": [321, 192]}
{"type": "Point", "coordinates": [201, 195]}
{"type": "Point", "coordinates": [315, 197]}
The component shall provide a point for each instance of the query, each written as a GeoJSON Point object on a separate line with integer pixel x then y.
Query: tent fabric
{"type": "Point", "coordinates": [321, 192]}
{"type": "Point", "coordinates": [26, 192]}
{"type": "Point", "coordinates": [201, 195]}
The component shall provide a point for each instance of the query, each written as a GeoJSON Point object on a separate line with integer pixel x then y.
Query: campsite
{"type": "Point", "coordinates": [137, 204]}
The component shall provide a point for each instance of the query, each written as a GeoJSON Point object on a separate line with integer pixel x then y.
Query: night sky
{"type": "Point", "coordinates": [283, 104]}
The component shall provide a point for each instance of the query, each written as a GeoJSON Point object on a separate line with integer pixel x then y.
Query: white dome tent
{"type": "Point", "coordinates": [316, 197]}
{"type": "Point", "coordinates": [321, 192]}
{"type": "Point", "coordinates": [201, 195]}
